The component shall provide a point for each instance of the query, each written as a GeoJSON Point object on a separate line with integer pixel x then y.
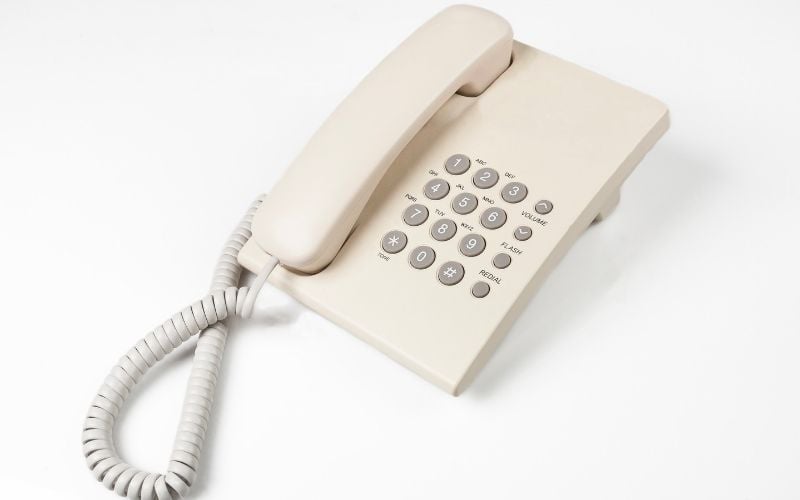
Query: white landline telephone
{"type": "Point", "coordinates": [459, 172]}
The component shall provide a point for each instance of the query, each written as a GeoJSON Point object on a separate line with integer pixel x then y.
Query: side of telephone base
{"type": "Point", "coordinates": [610, 205]}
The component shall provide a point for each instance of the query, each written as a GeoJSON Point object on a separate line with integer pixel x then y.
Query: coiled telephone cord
{"type": "Point", "coordinates": [205, 317]}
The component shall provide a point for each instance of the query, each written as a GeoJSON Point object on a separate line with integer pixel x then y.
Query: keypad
{"type": "Point", "coordinates": [493, 218]}
{"type": "Point", "coordinates": [436, 189]}
{"type": "Point", "coordinates": [472, 245]}
{"type": "Point", "coordinates": [514, 192]}
{"type": "Point", "coordinates": [443, 229]}
{"type": "Point", "coordinates": [457, 164]}
{"type": "Point", "coordinates": [415, 214]}
{"type": "Point", "coordinates": [465, 203]}
{"type": "Point", "coordinates": [421, 257]}
{"type": "Point", "coordinates": [485, 178]}
{"type": "Point", "coordinates": [450, 273]}
{"type": "Point", "coordinates": [394, 241]}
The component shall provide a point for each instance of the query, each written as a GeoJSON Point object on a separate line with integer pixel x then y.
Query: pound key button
{"type": "Point", "coordinates": [450, 273]}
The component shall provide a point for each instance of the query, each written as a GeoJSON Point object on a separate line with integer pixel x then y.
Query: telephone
{"type": "Point", "coordinates": [445, 187]}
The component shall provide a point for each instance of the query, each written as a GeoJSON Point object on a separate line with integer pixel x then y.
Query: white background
{"type": "Point", "coordinates": [660, 360]}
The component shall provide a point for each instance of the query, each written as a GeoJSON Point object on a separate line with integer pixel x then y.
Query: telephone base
{"type": "Point", "coordinates": [557, 142]}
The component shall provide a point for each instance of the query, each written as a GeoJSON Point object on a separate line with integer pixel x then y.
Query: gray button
{"type": "Point", "coordinates": [501, 260]}
{"type": "Point", "coordinates": [450, 273]}
{"type": "Point", "coordinates": [394, 241]}
{"type": "Point", "coordinates": [457, 164]}
{"type": "Point", "coordinates": [464, 203]}
{"type": "Point", "coordinates": [436, 189]}
{"type": "Point", "coordinates": [415, 214]}
{"type": "Point", "coordinates": [443, 229]}
{"type": "Point", "coordinates": [543, 207]}
{"type": "Point", "coordinates": [480, 289]}
{"type": "Point", "coordinates": [421, 257]}
{"type": "Point", "coordinates": [522, 233]}
{"type": "Point", "coordinates": [472, 245]}
{"type": "Point", "coordinates": [493, 218]}
{"type": "Point", "coordinates": [514, 192]}
{"type": "Point", "coordinates": [485, 178]}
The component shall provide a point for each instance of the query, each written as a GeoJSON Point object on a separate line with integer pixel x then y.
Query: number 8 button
{"type": "Point", "coordinates": [443, 229]}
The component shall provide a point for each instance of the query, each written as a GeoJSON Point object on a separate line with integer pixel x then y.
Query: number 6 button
{"type": "Point", "coordinates": [493, 218]}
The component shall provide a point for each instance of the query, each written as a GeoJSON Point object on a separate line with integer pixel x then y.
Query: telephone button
{"type": "Point", "coordinates": [522, 233]}
{"type": "Point", "coordinates": [415, 214]}
{"type": "Point", "coordinates": [457, 164]}
{"type": "Point", "coordinates": [394, 241]}
{"type": "Point", "coordinates": [450, 273]}
{"type": "Point", "coordinates": [493, 218]}
{"type": "Point", "coordinates": [436, 189]}
{"type": "Point", "coordinates": [472, 245]}
{"type": "Point", "coordinates": [501, 260]}
{"type": "Point", "coordinates": [421, 257]}
{"type": "Point", "coordinates": [443, 229]}
{"type": "Point", "coordinates": [514, 192]}
{"type": "Point", "coordinates": [485, 178]}
{"type": "Point", "coordinates": [480, 289]}
{"type": "Point", "coordinates": [464, 203]}
{"type": "Point", "coordinates": [543, 207]}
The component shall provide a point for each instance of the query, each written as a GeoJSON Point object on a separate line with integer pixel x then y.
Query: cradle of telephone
{"type": "Point", "coordinates": [429, 207]}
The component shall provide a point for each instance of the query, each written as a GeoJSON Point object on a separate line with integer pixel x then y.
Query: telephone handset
{"type": "Point", "coordinates": [421, 217]}
{"type": "Point", "coordinates": [311, 210]}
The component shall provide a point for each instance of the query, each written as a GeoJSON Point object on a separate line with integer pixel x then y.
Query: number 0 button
{"type": "Point", "coordinates": [415, 214]}
{"type": "Point", "coordinates": [422, 257]}
{"type": "Point", "coordinates": [514, 192]}
{"type": "Point", "coordinates": [493, 218]}
{"type": "Point", "coordinates": [436, 189]}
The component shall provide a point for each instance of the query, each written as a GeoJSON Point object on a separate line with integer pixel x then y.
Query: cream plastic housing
{"type": "Point", "coordinates": [571, 136]}
{"type": "Point", "coordinates": [317, 201]}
